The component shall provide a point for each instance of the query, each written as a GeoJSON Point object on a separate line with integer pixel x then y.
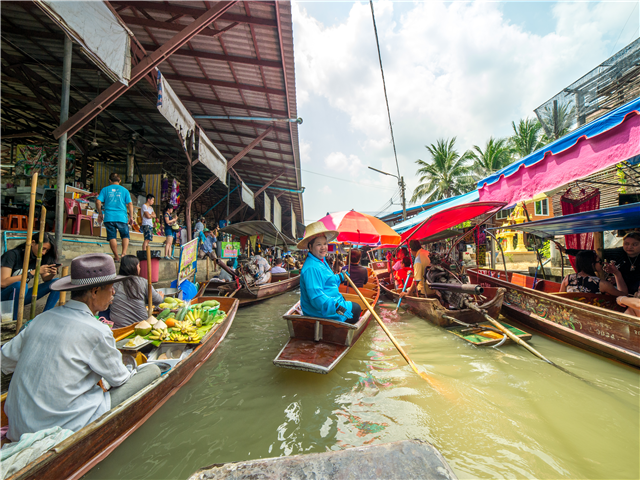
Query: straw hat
{"type": "Point", "coordinates": [314, 230]}
{"type": "Point", "coordinates": [89, 271]}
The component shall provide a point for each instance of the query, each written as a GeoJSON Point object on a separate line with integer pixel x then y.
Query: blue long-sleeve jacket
{"type": "Point", "coordinates": [319, 291]}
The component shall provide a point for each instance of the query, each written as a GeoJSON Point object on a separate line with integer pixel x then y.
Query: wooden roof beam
{"type": "Point", "coordinates": [222, 57]}
{"type": "Point", "coordinates": [220, 83]}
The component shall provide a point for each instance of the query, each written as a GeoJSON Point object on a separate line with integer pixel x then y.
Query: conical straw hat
{"type": "Point", "coordinates": [314, 230]}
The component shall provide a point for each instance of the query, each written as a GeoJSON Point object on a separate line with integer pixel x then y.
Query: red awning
{"type": "Point", "coordinates": [450, 218]}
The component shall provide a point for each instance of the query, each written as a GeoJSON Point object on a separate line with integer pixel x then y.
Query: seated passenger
{"type": "Point", "coordinates": [633, 304]}
{"type": "Point", "coordinates": [11, 273]}
{"type": "Point", "coordinates": [586, 281]}
{"type": "Point", "coordinates": [60, 356]}
{"type": "Point", "coordinates": [395, 264]}
{"type": "Point", "coordinates": [357, 272]}
{"type": "Point", "coordinates": [131, 297]}
{"type": "Point", "coordinates": [264, 270]}
{"type": "Point", "coordinates": [319, 287]}
{"type": "Point", "coordinates": [278, 267]}
{"type": "Point", "coordinates": [224, 275]}
{"type": "Point", "coordinates": [401, 275]}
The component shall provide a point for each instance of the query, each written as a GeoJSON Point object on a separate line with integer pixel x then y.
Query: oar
{"type": "Point", "coordinates": [406, 282]}
{"type": "Point", "coordinates": [36, 278]}
{"type": "Point", "coordinates": [391, 337]}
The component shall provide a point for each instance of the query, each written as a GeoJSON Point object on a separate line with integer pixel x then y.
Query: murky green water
{"type": "Point", "coordinates": [502, 413]}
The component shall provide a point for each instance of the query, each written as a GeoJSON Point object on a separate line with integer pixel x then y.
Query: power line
{"type": "Point", "coordinates": [384, 86]}
{"type": "Point", "coordinates": [625, 26]}
{"type": "Point", "coordinates": [344, 180]}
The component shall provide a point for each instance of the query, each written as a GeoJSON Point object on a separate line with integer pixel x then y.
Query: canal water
{"type": "Point", "coordinates": [492, 413]}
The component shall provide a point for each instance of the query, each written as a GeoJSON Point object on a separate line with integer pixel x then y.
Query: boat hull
{"type": "Point", "coordinates": [255, 294]}
{"type": "Point", "coordinates": [76, 455]}
{"type": "Point", "coordinates": [603, 331]}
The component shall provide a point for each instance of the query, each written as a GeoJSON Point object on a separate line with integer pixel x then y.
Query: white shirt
{"type": "Point", "coordinates": [145, 220]}
{"type": "Point", "coordinates": [278, 270]}
{"type": "Point", "coordinates": [57, 361]}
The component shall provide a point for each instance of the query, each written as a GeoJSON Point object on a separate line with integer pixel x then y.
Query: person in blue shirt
{"type": "Point", "coordinates": [118, 212]}
{"type": "Point", "coordinates": [319, 287]}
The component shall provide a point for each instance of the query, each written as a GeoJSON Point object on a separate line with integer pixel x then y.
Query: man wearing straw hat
{"type": "Point", "coordinates": [319, 287]}
{"type": "Point", "coordinates": [60, 356]}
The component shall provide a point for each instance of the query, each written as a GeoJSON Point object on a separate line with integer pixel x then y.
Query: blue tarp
{"type": "Point", "coordinates": [598, 126]}
{"type": "Point", "coordinates": [452, 202]}
{"type": "Point", "coordinates": [624, 217]}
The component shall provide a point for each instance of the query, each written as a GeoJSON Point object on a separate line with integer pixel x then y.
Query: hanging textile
{"type": "Point", "coordinates": [165, 190]}
{"type": "Point", "coordinates": [576, 201]}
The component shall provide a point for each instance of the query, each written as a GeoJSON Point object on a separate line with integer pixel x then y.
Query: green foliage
{"type": "Point", "coordinates": [557, 121]}
{"type": "Point", "coordinates": [545, 250]}
{"type": "Point", "coordinates": [447, 174]}
{"type": "Point", "coordinates": [463, 225]}
{"type": "Point", "coordinates": [496, 155]}
{"type": "Point", "coordinates": [526, 138]}
{"type": "Point", "coordinates": [622, 178]}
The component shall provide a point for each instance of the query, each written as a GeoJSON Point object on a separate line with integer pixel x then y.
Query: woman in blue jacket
{"type": "Point", "coordinates": [319, 286]}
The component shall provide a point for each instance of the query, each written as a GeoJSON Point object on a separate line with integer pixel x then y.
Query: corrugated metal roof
{"type": "Point", "coordinates": [248, 71]}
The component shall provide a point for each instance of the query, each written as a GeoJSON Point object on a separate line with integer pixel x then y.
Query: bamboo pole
{"type": "Point", "coordinates": [36, 278]}
{"type": "Point", "coordinates": [27, 252]}
{"type": "Point", "coordinates": [149, 272]}
{"type": "Point", "coordinates": [63, 295]}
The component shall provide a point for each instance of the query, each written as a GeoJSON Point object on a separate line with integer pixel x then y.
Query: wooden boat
{"type": "Point", "coordinates": [280, 283]}
{"type": "Point", "coordinates": [485, 335]}
{"type": "Point", "coordinates": [593, 322]}
{"type": "Point", "coordinates": [76, 455]}
{"type": "Point", "coordinates": [317, 344]}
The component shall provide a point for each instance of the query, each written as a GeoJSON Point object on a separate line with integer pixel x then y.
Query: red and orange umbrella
{"type": "Point", "coordinates": [360, 228]}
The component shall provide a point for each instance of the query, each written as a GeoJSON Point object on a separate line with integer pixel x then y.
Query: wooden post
{"type": "Point", "coordinates": [27, 252]}
{"type": "Point", "coordinates": [598, 245]}
{"type": "Point", "coordinates": [36, 278]}
{"type": "Point", "coordinates": [149, 271]}
{"type": "Point", "coordinates": [206, 259]}
{"type": "Point", "coordinates": [63, 295]}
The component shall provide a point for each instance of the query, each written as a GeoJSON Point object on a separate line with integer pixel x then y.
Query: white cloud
{"type": "Point", "coordinates": [452, 69]}
{"type": "Point", "coordinates": [326, 190]}
{"type": "Point", "coordinates": [305, 151]}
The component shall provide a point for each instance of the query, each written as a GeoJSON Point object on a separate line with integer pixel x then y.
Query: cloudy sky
{"type": "Point", "coordinates": [452, 69]}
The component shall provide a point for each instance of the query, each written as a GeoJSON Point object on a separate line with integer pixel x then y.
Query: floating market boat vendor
{"type": "Point", "coordinates": [60, 356]}
{"type": "Point", "coordinates": [420, 265]}
{"type": "Point", "coordinates": [319, 287]}
{"type": "Point", "coordinates": [11, 276]}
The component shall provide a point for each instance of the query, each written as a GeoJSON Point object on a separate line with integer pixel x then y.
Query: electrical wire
{"type": "Point", "coordinates": [384, 86]}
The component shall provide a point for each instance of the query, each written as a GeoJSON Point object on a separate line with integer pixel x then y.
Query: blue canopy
{"type": "Point", "coordinates": [602, 124]}
{"type": "Point", "coordinates": [451, 202]}
{"type": "Point", "coordinates": [624, 217]}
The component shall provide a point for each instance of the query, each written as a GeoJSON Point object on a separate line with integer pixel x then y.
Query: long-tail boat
{"type": "Point", "coordinates": [317, 344]}
{"type": "Point", "coordinates": [75, 456]}
{"type": "Point", "coordinates": [593, 322]}
{"type": "Point", "coordinates": [250, 294]}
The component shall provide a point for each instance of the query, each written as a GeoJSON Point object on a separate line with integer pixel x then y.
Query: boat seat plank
{"type": "Point", "coordinates": [313, 354]}
{"type": "Point", "coordinates": [323, 321]}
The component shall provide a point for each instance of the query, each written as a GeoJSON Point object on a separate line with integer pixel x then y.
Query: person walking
{"type": "Point", "coordinates": [118, 212]}
{"type": "Point", "coordinates": [148, 214]}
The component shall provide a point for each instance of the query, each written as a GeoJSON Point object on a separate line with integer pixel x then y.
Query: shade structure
{"type": "Point", "coordinates": [624, 217]}
{"type": "Point", "coordinates": [610, 139]}
{"type": "Point", "coordinates": [270, 234]}
{"type": "Point", "coordinates": [451, 217]}
{"type": "Point", "coordinates": [360, 228]}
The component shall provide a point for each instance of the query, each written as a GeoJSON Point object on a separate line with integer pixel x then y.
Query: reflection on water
{"type": "Point", "coordinates": [503, 413]}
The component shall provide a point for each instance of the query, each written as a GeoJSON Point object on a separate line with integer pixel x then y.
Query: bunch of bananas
{"type": "Point", "coordinates": [159, 334]}
{"type": "Point", "coordinates": [179, 337]}
{"type": "Point", "coordinates": [186, 327]}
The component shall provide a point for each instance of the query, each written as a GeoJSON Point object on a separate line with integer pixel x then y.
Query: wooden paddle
{"type": "Point", "coordinates": [403, 289]}
{"type": "Point", "coordinates": [391, 337]}
{"type": "Point", "coordinates": [27, 252]}
{"type": "Point", "coordinates": [150, 288]}
{"type": "Point", "coordinates": [36, 278]}
{"type": "Point", "coordinates": [63, 295]}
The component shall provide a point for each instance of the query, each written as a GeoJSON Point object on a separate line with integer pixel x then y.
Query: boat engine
{"type": "Point", "coordinates": [455, 299]}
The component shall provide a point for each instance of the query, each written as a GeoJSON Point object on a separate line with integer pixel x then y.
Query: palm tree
{"type": "Point", "coordinates": [557, 120]}
{"type": "Point", "coordinates": [496, 154]}
{"type": "Point", "coordinates": [447, 175]}
{"type": "Point", "coordinates": [527, 137]}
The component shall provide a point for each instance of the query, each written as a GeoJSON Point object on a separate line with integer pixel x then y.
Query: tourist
{"type": "Point", "coordinates": [264, 270]}
{"type": "Point", "coordinates": [319, 287]}
{"type": "Point", "coordinates": [199, 225]}
{"type": "Point", "coordinates": [395, 264]}
{"type": "Point", "coordinates": [400, 276]}
{"type": "Point", "coordinates": [224, 275]}
{"type": "Point", "coordinates": [359, 274]}
{"type": "Point", "coordinates": [11, 272]}
{"type": "Point", "coordinates": [131, 296]}
{"type": "Point", "coordinates": [278, 266]}
{"type": "Point", "coordinates": [207, 249]}
{"type": "Point", "coordinates": [148, 214]}
{"type": "Point", "coordinates": [420, 265]}
{"type": "Point", "coordinates": [118, 213]}
{"type": "Point", "coordinates": [632, 304]}
{"type": "Point", "coordinates": [62, 354]}
{"type": "Point", "coordinates": [588, 266]}
{"type": "Point", "coordinates": [625, 258]}
{"type": "Point", "coordinates": [169, 231]}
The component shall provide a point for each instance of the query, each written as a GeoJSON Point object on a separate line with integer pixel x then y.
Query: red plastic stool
{"type": "Point", "coordinates": [19, 220]}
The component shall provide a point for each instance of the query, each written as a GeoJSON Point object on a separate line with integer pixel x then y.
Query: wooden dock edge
{"type": "Point", "coordinates": [415, 459]}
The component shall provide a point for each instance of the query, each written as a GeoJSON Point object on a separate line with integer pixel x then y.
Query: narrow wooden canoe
{"type": "Point", "coordinates": [76, 455]}
{"type": "Point", "coordinates": [432, 310]}
{"type": "Point", "coordinates": [485, 335]}
{"type": "Point", "coordinates": [280, 283]}
{"type": "Point", "coordinates": [572, 318]}
{"type": "Point", "coordinates": [317, 344]}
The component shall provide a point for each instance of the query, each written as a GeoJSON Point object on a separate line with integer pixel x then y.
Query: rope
{"type": "Point", "coordinates": [384, 86]}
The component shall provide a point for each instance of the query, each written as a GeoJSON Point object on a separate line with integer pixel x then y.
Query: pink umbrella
{"type": "Point", "coordinates": [360, 228]}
